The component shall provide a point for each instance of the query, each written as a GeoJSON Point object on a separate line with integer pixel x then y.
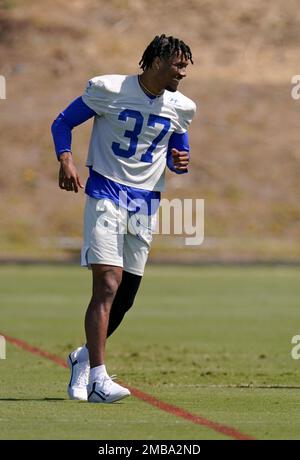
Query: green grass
{"type": "Point", "coordinates": [214, 341]}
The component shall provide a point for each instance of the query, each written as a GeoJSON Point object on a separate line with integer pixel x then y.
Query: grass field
{"type": "Point", "coordinates": [213, 341]}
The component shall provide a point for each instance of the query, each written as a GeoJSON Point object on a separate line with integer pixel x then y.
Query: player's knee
{"type": "Point", "coordinates": [106, 286]}
{"type": "Point", "coordinates": [110, 287]}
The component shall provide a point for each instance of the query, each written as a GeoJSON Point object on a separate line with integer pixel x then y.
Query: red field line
{"type": "Point", "coordinates": [174, 410]}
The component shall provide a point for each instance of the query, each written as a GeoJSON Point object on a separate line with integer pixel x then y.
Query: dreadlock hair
{"type": "Point", "coordinates": [164, 47]}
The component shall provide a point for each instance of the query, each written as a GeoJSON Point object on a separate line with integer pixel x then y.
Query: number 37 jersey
{"type": "Point", "coordinates": [130, 135]}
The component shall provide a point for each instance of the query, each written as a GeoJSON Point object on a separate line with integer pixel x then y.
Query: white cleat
{"type": "Point", "coordinates": [105, 390]}
{"type": "Point", "coordinates": [77, 388]}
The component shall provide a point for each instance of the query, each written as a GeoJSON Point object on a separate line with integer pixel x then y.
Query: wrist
{"type": "Point", "coordinates": [65, 156]}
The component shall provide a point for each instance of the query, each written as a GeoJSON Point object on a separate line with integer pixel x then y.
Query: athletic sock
{"type": "Point", "coordinates": [97, 373]}
{"type": "Point", "coordinates": [83, 355]}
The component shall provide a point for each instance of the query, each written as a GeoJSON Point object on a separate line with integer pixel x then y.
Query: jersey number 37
{"type": "Point", "coordinates": [134, 133]}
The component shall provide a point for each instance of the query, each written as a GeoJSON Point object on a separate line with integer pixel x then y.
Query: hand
{"type": "Point", "coordinates": [180, 159]}
{"type": "Point", "coordinates": [68, 176]}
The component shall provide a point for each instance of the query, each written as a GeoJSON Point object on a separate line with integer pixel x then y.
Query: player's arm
{"type": "Point", "coordinates": [75, 114]}
{"type": "Point", "coordinates": [178, 155]}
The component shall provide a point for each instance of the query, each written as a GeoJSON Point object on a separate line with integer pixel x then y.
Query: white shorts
{"type": "Point", "coordinates": [115, 236]}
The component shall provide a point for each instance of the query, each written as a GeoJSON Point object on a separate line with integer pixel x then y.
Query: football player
{"type": "Point", "coordinates": [140, 127]}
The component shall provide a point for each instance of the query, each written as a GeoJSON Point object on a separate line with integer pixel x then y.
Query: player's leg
{"type": "Point", "coordinates": [123, 300]}
{"type": "Point", "coordinates": [101, 388]}
{"type": "Point", "coordinates": [78, 360]}
{"type": "Point", "coordinates": [106, 280]}
{"type": "Point", "coordinates": [103, 253]}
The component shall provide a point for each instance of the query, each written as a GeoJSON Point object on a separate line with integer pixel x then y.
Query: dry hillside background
{"type": "Point", "coordinates": [245, 138]}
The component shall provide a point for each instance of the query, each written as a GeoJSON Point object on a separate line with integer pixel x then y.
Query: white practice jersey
{"type": "Point", "coordinates": [131, 132]}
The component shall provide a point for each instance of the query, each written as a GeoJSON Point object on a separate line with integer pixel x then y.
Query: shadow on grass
{"type": "Point", "coordinates": [116, 403]}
